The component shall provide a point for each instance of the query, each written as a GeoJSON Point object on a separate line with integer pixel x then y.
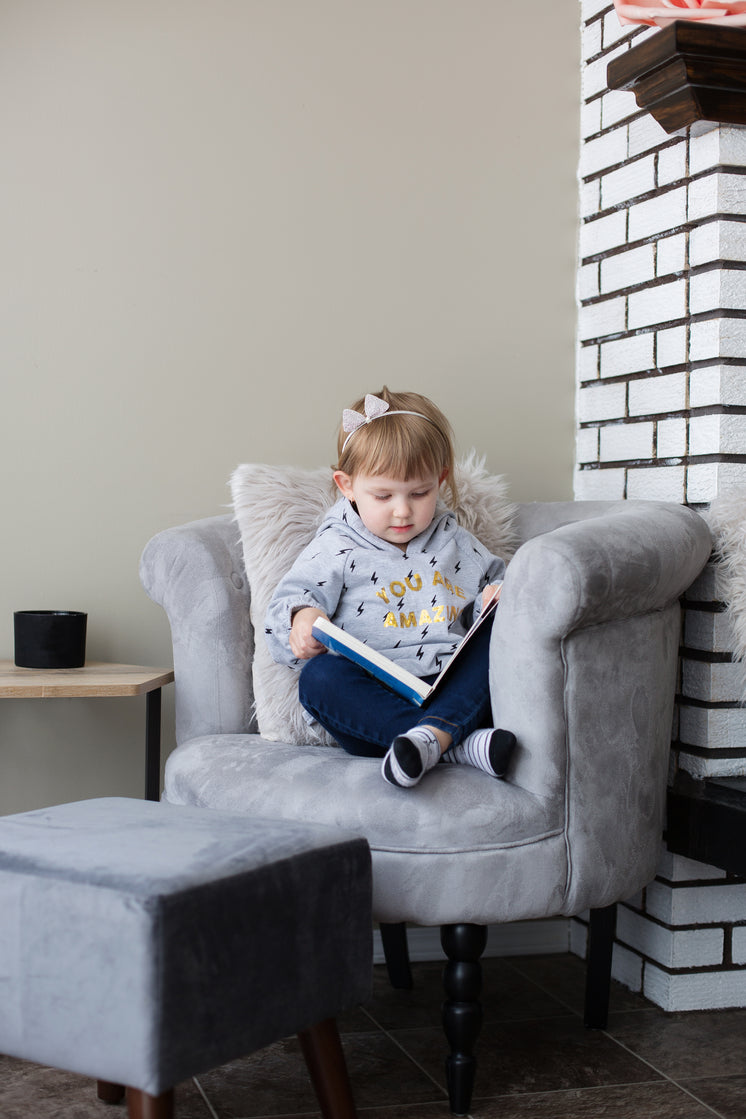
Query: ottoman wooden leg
{"type": "Point", "coordinates": [142, 1106]}
{"type": "Point", "coordinates": [327, 1068]}
{"type": "Point", "coordinates": [109, 1093]}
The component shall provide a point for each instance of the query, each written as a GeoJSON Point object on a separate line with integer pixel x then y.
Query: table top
{"type": "Point", "coordinates": [96, 678]}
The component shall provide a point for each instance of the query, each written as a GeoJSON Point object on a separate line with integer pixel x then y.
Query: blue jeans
{"type": "Point", "coordinates": [364, 716]}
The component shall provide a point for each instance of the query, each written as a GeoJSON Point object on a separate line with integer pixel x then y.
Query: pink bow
{"type": "Point", "coordinates": [374, 407]}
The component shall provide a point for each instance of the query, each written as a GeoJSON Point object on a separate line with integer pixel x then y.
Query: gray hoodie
{"type": "Point", "coordinates": [400, 603]}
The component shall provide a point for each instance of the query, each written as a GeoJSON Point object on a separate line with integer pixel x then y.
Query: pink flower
{"type": "Point", "coordinates": [659, 13]}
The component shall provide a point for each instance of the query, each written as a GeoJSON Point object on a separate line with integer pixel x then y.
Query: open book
{"type": "Point", "coordinates": [382, 667]}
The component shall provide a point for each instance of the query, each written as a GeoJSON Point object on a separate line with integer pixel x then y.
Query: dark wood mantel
{"type": "Point", "coordinates": [686, 72]}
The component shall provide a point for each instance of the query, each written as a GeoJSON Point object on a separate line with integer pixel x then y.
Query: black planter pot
{"type": "Point", "coordinates": [50, 638]}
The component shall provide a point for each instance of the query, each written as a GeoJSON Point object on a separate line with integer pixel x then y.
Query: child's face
{"type": "Point", "coordinates": [390, 508]}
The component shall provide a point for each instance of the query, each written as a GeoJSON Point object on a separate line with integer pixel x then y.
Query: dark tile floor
{"type": "Point", "coordinates": [536, 1060]}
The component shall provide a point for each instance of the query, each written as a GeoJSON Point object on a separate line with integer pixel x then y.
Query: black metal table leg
{"type": "Point", "coordinates": [153, 745]}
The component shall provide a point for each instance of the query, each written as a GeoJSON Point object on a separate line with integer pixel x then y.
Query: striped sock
{"type": "Point", "coordinates": [488, 750]}
{"type": "Point", "coordinates": [410, 756]}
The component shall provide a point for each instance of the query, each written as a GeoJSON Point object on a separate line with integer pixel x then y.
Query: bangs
{"type": "Point", "coordinates": [404, 454]}
{"type": "Point", "coordinates": [400, 446]}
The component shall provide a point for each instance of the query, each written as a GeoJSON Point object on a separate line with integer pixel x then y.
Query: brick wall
{"type": "Point", "coordinates": [661, 413]}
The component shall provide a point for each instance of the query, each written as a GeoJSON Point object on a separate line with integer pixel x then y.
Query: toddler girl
{"type": "Point", "coordinates": [392, 565]}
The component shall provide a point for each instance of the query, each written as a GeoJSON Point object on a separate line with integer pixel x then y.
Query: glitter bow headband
{"type": "Point", "coordinates": [374, 409]}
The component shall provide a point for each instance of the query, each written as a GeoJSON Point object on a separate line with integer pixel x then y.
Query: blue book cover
{"type": "Point", "coordinates": [398, 679]}
{"type": "Point", "coordinates": [382, 667]}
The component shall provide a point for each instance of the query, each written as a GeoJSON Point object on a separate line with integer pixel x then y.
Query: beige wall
{"type": "Point", "coordinates": [220, 222]}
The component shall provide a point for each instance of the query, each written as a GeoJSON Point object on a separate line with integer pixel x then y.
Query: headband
{"type": "Point", "coordinates": [374, 409]}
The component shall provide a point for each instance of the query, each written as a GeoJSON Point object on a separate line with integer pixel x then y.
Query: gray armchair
{"type": "Point", "coordinates": [583, 670]}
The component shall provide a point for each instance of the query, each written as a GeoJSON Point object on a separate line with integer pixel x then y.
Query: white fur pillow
{"type": "Point", "coordinates": [278, 509]}
{"type": "Point", "coordinates": [727, 519]}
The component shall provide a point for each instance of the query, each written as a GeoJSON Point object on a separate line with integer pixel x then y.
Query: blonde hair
{"type": "Point", "coordinates": [403, 446]}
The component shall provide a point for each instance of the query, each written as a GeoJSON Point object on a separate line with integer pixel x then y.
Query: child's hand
{"type": "Point", "coordinates": [491, 591]}
{"type": "Point", "coordinates": [303, 644]}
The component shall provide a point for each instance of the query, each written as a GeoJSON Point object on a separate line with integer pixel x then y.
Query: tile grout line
{"type": "Point", "coordinates": [702, 1103]}
{"type": "Point", "coordinates": [552, 994]}
{"type": "Point", "coordinates": [407, 1054]}
{"type": "Point", "coordinates": [200, 1089]}
{"type": "Point", "coordinates": [690, 1092]}
{"type": "Point", "coordinates": [578, 1090]}
{"type": "Point", "coordinates": [664, 1075]}
{"type": "Point", "coordinates": [378, 1027]}
{"type": "Point", "coordinates": [545, 990]}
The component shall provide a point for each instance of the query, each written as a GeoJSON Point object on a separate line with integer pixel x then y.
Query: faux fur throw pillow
{"type": "Point", "coordinates": [727, 519]}
{"type": "Point", "coordinates": [278, 509]}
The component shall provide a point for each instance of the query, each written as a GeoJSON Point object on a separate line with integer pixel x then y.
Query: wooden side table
{"type": "Point", "coordinates": [98, 679]}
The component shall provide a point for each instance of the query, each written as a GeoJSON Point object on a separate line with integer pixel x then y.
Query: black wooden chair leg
{"type": "Point", "coordinates": [598, 968]}
{"type": "Point", "coordinates": [396, 952]}
{"type": "Point", "coordinates": [462, 1011]}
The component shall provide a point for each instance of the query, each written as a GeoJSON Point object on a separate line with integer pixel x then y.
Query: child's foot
{"type": "Point", "coordinates": [410, 756]}
{"type": "Point", "coordinates": [488, 750]}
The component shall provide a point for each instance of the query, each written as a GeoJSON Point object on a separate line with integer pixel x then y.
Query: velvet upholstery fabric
{"type": "Point", "coordinates": [143, 943]}
{"type": "Point", "coordinates": [582, 669]}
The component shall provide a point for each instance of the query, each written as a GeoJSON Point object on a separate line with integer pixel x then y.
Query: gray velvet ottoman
{"type": "Point", "coordinates": [143, 943]}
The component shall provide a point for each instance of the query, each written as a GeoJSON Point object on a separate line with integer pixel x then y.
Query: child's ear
{"type": "Point", "coordinates": [443, 477]}
{"type": "Point", "coordinates": [344, 483]}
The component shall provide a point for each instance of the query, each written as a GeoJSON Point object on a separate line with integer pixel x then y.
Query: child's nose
{"type": "Point", "coordinates": [402, 507]}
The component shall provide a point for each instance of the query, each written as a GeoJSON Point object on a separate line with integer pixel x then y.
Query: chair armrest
{"type": "Point", "coordinates": [637, 557]}
{"type": "Point", "coordinates": [195, 572]}
{"type": "Point", "coordinates": [583, 667]}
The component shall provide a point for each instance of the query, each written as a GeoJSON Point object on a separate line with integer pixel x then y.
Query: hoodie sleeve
{"type": "Point", "coordinates": [492, 567]}
{"type": "Point", "coordinates": [315, 579]}
{"type": "Point", "coordinates": [492, 572]}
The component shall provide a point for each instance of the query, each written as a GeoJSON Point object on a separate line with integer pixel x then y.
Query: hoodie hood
{"type": "Point", "coordinates": [344, 519]}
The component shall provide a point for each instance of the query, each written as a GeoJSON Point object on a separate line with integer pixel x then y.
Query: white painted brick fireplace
{"type": "Point", "coordinates": [661, 413]}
